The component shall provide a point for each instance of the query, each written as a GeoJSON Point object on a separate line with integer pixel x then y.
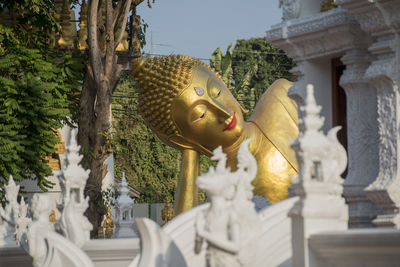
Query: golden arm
{"type": "Point", "coordinates": [187, 193]}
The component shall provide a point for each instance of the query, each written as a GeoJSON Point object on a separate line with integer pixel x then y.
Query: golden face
{"type": "Point", "coordinates": [206, 112]}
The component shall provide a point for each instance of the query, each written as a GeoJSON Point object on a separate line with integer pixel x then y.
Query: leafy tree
{"type": "Point", "coordinates": [38, 90]}
{"type": "Point", "coordinates": [256, 65]}
{"type": "Point", "coordinates": [223, 65]}
{"type": "Point", "coordinates": [107, 22]}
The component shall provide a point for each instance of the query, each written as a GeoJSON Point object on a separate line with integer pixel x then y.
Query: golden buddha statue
{"type": "Point", "coordinates": [167, 213]}
{"type": "Point", "coordinates": [52, 217]}
{"type": "Point", "coordinates": [187, 106]}
{"type": "Point", "coordinates": [108, 224]}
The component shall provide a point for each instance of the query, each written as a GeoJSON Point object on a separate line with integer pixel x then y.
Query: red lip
{"type": "Point", "coordinates": [232, 124]}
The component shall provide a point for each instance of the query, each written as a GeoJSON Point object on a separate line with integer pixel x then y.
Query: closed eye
{"type": "Point", "coordinates": [201, 117]}
{"type": "Point", "coordinates": [198, 112]}
{"type": "Point", "coordinates": [218, 94]}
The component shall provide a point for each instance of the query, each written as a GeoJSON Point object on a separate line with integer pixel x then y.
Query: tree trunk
{"type": "Point", "coordinates": [107, 21]}
{"type": "Point", "coordinates": [94, 129]}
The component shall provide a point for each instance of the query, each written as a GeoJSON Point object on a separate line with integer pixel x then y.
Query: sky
{"type": "Point", "coordinates": [197, 27]}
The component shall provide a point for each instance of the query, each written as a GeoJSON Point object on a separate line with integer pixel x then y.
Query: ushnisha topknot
{"type": "Point", "coordinates": [159, 80]}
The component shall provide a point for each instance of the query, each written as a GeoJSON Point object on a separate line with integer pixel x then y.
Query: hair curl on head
{"type": "Point", "coordinates": [160, 80]}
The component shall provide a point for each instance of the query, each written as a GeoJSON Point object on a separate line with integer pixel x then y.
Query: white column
{"type": "Point", "coordinates": [363, 137]}
{"type": "Point", "coordinates": [381, 19]}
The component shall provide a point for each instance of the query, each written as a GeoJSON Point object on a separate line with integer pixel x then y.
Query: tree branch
{"type": "Point", "coordinates": [124, 21]}
{"type": "Point", "coordinates": [117, 12]}
{"type": "Point", "coordinates": [109, 41]}
{"type": "Point", "coordinates": [94, 51]}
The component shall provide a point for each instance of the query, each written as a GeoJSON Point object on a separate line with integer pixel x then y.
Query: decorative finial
{"type": "Point", "coordinates": [72, 205]}
{"type": "Point", "coordinates": [83, 32]}
{"type": "Point", "coordinates": [320, 157]}
{"type": "Point", "coordinates": [312, 121]}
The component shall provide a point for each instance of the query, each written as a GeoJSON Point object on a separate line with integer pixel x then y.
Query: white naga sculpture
{"type": "Point", "coordinates": [73, 224]}
{"type": "Point", "coordinates": [13, 220]}
{"type": "Point", "coordinates": [37, 236]}
{"type": "Point", "coordinates": [228, 225]}
{"type": "Point", "coordinates": [41, 209]}
{"type": "Point", "coordinates": [48, 248]}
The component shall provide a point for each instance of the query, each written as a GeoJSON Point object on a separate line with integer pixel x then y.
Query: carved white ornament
{"type": "Point", "coordinates": [290, 9]}
{"type": "Point", "coordinates": [41, 209]}
{"type": "Point", "coordinates": [321, 158]}
{"type": "Point", "coordinates": [320, 35]}
{"type": "Point", "coordinates": [37, 236]}
{"type": "Point", "coordinates": [124, 207]}
{"type": "Point", "coordinates": [228, 224]}
{"type": "Point", "coordinates": [48, 248]}
{"type": "Point", "coordinates": [73, 224]}
{"type": "Point", "coordinates": [362, 136]}
{"type": "Point", "coordinates": [13, 220]}
{"type": "Point", "coordinates": [381, 20]}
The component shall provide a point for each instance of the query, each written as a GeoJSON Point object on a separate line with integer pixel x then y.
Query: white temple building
{"type": "Point", "coordinates": [356, 48]}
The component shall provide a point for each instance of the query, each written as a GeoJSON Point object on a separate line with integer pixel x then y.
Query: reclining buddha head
{"type": "Point", "coordinates": [186, 103]}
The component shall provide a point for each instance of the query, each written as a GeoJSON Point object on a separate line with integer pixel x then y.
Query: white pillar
{"type": "Point", "coordinates": [380, 19]}
{"type": "Point", "coordinates": [362, 136]}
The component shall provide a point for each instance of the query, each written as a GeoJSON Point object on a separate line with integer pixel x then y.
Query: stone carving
{"type": "Point", "coordinates": [319, 157]}
{"type": "Point", "coordinates": [381, 20]}
{"type": "Point", "coordinates": [303, 40]}
{"type": "Point", "coordinates": [290, 9]}
{"type": "Point", "coordinates": [362, 137]}
{"type": "Point", "coordinates": [73, 224]}
{"type": "Point", "coordinates": [321, 160]}
{"type": "Point", "coordinates": [228, 224]}
{"type": "Point", "coordinates": [46, 247]}
{"type": "Point", "coordinates": [22, 223]}
{"type": "Point", "coordinates": [124, 221]}
{"type": "Point", "coordinates": [41, 209]}
{"type": "Point", "coordinates": [13, 220]}
{"type": "Point", "coordinates": [37, 236]}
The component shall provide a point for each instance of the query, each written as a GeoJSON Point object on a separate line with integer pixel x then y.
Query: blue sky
{"type": "Point", "coordinates": [197, 27]}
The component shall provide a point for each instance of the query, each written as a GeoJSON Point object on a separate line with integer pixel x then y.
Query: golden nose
{"type": "Point", "coordinates": [222, 112]}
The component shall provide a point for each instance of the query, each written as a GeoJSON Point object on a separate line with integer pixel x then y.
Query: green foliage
{"type": "Point", "coordinates": [150, 166]}
{"type": "Point", "coordinates": [142, 33]}
{"type": "Point", "coordinates": [223, 64]}
{"type": "Point", "coordinates": [255, 65]}
{"type": "Point", "coordinates": [38, 91]}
